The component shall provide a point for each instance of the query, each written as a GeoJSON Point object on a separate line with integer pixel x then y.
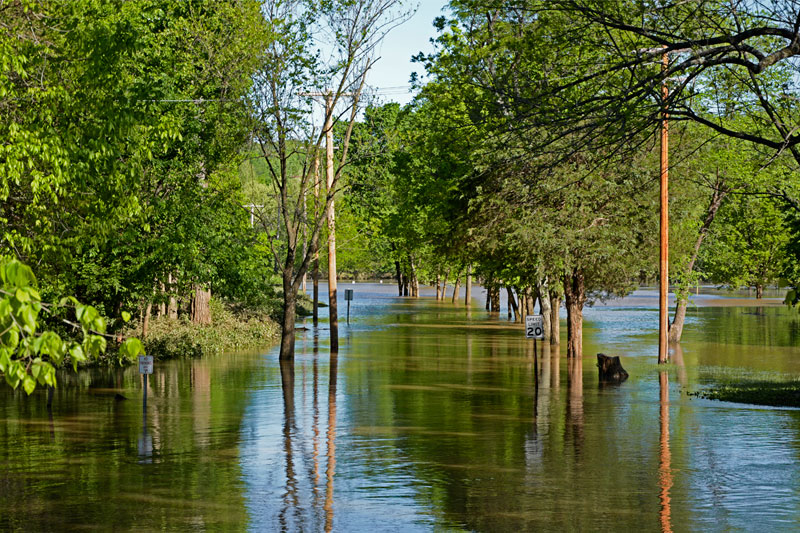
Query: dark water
{"type": "Point", "coordinates": [428, 419]}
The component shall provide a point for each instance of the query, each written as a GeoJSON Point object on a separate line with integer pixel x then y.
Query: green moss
{"type": "Point", "coordinates": [779, 394]}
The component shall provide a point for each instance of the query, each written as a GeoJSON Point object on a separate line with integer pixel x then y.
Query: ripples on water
{"type": "Point", "coordinates": [427, 420]}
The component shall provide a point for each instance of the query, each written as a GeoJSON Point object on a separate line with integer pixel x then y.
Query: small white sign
{"type": "Point", "coordinates": [145, 364]}
{"type": "Point", "coordinates": [534, 327]}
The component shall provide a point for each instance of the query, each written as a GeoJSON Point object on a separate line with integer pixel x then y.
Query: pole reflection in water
{"type": "Point", "coordinates": [290, 498]}
{"type": "Point", "coordinates": [315, 424]}
{"type": "Point", "coordinates": [664, 466]}
{"type": "Point", "coordinates": [575, 401]}
{"type": "Point", "coordinates": [334, 363]}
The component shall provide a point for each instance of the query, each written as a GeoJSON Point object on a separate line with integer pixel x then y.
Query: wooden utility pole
{"type": "Point", "coordinates": [334, 318]}
{"type": "Point", "coordinates": [663, 317]}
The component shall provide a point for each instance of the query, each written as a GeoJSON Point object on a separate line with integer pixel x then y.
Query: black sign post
{"type": "Point", "coordinates": [348, 295]}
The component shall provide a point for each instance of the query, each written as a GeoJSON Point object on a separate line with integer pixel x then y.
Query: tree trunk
{"type": "Point", "coordinates": [146, 319]}
{"type": "Point", "coordinates": [555, 320]}
{"type": "Point", "coordinates": [444, 284]}
{"type": "Point", "coordinates": [172, 308]}
{"type": "Point", "coordinates": [495, 299]}
{"type": "Point", "coordinates": [675, 329]}
{"type": "Point", "coordinates": [287, 324]}
{"type": "Point", "coordinates": [456, 288]}
{"type": "Point", "coordinates": [759, 292]}
{"type": "Point", "coordinates": [575, 295]}
{"type": "Point", "coordinates": [414, 280]}
{"type": "Point", "coordinates": [468, 287]}
{"type": "Point", "coordinates": [399, 278]}
{"type": "Point", "coordinates": [438, 288]}
{"type": "Point", "coordinates": [513, 309]}
{"type": "Point", "coordinates": [162, 305]}
{"type": "Point", "coordinates": [201, 310]}
{"type": "Point", "coordinates": [488, 298]}
{"type": "Point", "coordinates": [544, 304]}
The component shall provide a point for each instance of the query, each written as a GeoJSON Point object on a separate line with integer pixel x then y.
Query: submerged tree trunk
{"type": "Point", "coordinates": [399, 278]}
{"type": "Point", "coordinates": [287, 323]}
{"type": "Point", "coordinates": [575, 296]}
{"type": "Point", "coordinates": [759, 292]}
{"type": "Point", "coordinates": [438, 288]}
{"type": "Point", "coordinates": [468, 287]}
{"type": "Point", "coordinates": [555, 320]}
{"type": "Point", "coordinates": [495, 299]}
{"type": "Point", "coordinates": [513, 309]}
{"type": "Point", "coordinates": [444, 284]}
{"type": "Point", "coordinates": [456, 288]}
{"type": "Point", "coordinates": [675, 329]}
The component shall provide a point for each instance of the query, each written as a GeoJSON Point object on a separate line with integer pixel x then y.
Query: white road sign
{"type": "Point", "coordinates": [145, 364]}
{"type": "Point", "coordinates": [534, 327]}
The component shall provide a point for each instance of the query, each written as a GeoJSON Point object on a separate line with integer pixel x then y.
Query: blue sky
{"type": "Point", "coordinates": [394, 67]}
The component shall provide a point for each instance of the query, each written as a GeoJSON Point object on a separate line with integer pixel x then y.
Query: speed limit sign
{"type": "Point", "coordinates": [534, 327]}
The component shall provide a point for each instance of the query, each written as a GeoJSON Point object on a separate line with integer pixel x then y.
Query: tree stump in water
{"type": "Point", "coordinates": [611, 369]}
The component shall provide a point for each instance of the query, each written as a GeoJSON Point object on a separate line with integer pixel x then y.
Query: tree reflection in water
{"type": "Point", "coordinates": [290, 498]}
{"type": "Point", "coordinates": [575, 402]}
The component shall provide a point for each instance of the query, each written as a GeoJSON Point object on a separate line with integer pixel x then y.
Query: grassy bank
{"type": "Point", "coordinates": [229, 330]}
{"type": "Point", "coordinates": [773, 393]}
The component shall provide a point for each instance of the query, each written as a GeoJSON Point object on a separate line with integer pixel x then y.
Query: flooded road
{"type": "Point", "coordinates": [430, 418]}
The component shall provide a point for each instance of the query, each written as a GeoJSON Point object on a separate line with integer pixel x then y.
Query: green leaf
{"type": "Point", "coordinates": [29, 384]}
{"type": "Point", "coordinates": [126, 316]}
{"type": "Point", "coordinates": [131, 348]}
{"type": "Point", "coordinates": [18, 274]}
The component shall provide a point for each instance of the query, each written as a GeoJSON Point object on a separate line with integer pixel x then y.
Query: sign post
{"type": "Point", "coordinates": [145, 368]}
{"type": "Point", "coordinates": [348, 295]}
{"type": "Point", "coordinates": [534, 329]}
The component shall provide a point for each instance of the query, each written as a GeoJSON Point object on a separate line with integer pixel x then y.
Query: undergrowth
{"type": "Point", "coordinates": [229, 330]}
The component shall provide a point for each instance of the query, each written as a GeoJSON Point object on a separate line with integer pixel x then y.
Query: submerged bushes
{"type": "Point", "coordinates": [230, 329]}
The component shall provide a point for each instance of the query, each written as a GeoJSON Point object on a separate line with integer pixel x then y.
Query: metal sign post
{"type": "Point", "coordinates": [145, 368]}
{"type": "Point", "coordinates": [348, 295]}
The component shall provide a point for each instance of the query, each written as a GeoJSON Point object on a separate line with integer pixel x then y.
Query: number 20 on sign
{"type": "Point", "coordinates": [534, 327]}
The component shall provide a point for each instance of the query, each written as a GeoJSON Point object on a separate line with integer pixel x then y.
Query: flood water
{"type": "Point", "coordinates": [430, 418]}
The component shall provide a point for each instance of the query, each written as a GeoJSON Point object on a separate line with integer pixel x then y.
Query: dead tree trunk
{"type": "Point", "coordinates": [575, 296]}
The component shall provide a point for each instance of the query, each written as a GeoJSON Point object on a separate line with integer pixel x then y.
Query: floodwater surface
{"type": "Point", "coordinates": [431, 417]}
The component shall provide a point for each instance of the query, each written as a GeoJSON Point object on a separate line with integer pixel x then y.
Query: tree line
{"type": "Point", "coordinates": [157, 152]}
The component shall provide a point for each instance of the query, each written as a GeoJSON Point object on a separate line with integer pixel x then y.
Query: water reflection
{"type": "Point", "coordinates": [331, 435]}
{"type": "Point", "coordinates": [665, 458]}
{"type": "Point", "coordinates": [575, 419]}
{"type": "Point", "coordinates": [290, 500]}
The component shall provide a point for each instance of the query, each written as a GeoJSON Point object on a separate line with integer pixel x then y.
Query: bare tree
{"type": "Point", "coordinates": [294, 68]}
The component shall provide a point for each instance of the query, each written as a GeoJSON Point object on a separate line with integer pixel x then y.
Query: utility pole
{"type": "Point", "coordinates": [334, 318]}
{"type": "Point", "coordinates": [663, 316]}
